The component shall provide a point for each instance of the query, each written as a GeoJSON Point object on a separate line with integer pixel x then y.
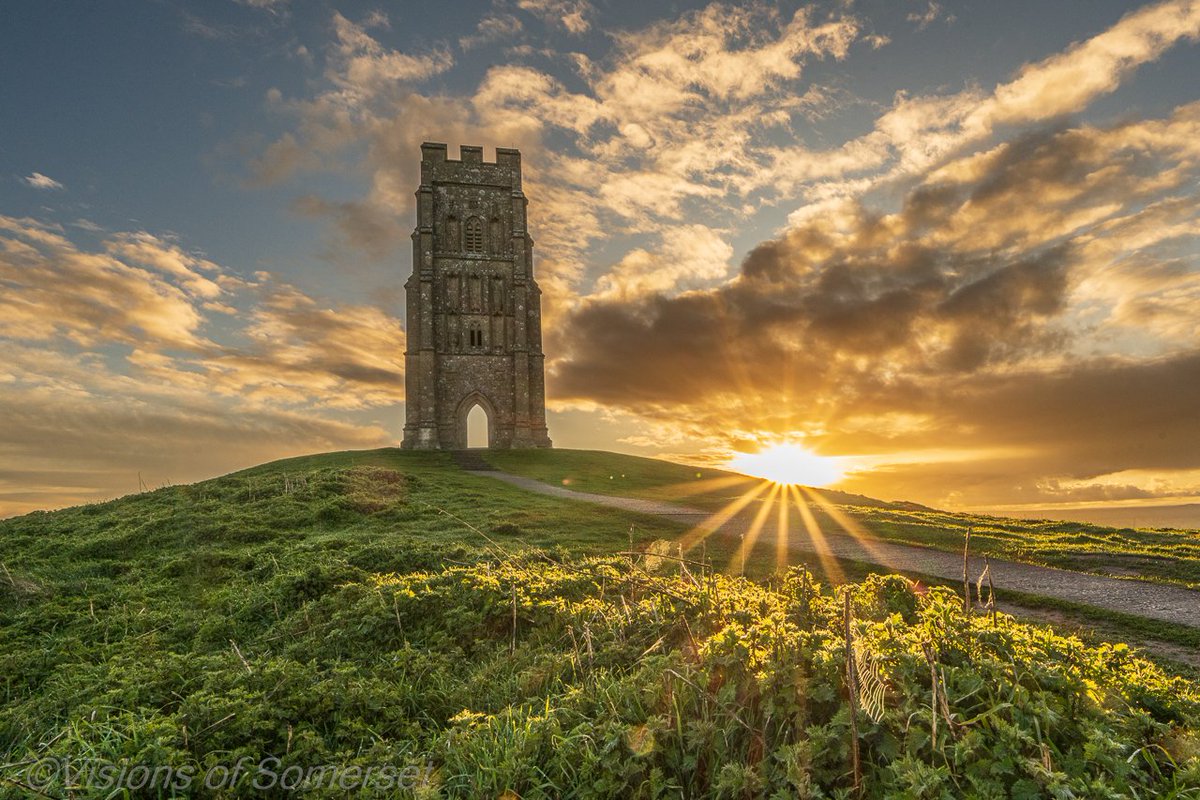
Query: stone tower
{"type": "Point", "coordinates": [474, 309]}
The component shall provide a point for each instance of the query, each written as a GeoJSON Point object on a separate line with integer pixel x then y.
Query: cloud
{"type": "Point", "coordinates": [300, 354]}
{"type": "Point", "coordinates": [943, 321]}
{"type": "Point", "coordinates": [919, 131]}
{"type": "Point", "coordinates": [53, 289]}
{"type": "Point", "coordinates": [362, 67]}
{"type": "Point", "coordinates": [1053, 437]}
{"type": "Point", "coordinates": [1067, 82]}
{"type": "Point", "coordinates": [955, 273]}
{"type": "Point", "coordinates": [362, 77]}
{"type": "Point", "coordinates": [570, 15]}
{"type": "Point", "coordinates": [277, 346]}
{"type": "Point", "coordinates": [77, 432]}
{"type": "Point", "coordinates": [1137, 414]}
{"type": "Point", "coordinates": [932, 13]}
{"type": "Point", "coordinates": [492, 27]}
{"type": "Point", "coordinates": [690, 256]}
{"type": "Point", "coordinates": [39, 181]}
{"type": "Point", "coordinates": [676, 116]}
{"type": "Point", "coordinates": [139, 355]}
{"type": "Point", "coordinates": [361, 74]}
{"type": "Point", "coordinates": [683, 117]}
{"type": "Point", "coordinates": [209, 30]}
{"type": "Point", "coordinates": [268, 5]}
{"type": "Point", "coordinates": [195, 273]}
{"type": "Point", "coordinates": [364, 226]}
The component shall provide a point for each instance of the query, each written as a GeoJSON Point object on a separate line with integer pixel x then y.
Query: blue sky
{"type": "Point", "coordinates": [206, 209]}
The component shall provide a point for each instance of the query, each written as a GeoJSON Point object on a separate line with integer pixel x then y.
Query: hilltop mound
{"type": "Point", "coordinates": [383, 608]}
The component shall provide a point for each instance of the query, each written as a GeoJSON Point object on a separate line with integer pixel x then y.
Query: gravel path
{"type": "Point", "coordinates": [1149, 600]}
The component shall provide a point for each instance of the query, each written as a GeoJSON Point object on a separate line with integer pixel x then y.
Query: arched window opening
{"type": "Point", "coordinates": [474, 235]}
{"type": "Point", "coordinates": [477, 427]}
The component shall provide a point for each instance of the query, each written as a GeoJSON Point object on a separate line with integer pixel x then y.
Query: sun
{"type": "Point", "coordinates": [788, 464]}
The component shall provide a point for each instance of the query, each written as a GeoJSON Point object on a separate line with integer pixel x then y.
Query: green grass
{"type": "Point", "coordinates": [1168, 556]}
{"type": "Point", "coordinates": [366, 506]}
{"type": "Point", "coordinates": [382, 607]}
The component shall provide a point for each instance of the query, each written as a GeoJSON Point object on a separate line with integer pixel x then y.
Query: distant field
{"type": "Point", "coordinates": [1185, 516]}
{"type": "Point", "coordinates": [1165, 555]}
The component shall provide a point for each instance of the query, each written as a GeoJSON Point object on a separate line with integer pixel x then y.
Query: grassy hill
{"type": "Point", "coordinates": [361, 610]}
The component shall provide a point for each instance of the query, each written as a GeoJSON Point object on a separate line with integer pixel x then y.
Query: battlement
{"type": "Point", "coordinates": [436, 153]}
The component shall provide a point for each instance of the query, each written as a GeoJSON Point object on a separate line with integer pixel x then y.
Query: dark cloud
{"type": "Point", "coordinates": [1000, 316]}
{"type": "Point", "coordinates": [1101, 417]}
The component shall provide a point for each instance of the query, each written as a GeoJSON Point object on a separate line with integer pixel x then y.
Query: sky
{"type": "Point", "coordinates": [953, 246]}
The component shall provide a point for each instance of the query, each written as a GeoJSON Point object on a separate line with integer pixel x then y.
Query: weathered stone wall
{"type": "Point", "coordinates": [474, 308]}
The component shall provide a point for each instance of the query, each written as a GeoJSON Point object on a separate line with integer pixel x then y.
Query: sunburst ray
{"type": "Point", "coordinates": [702, 486]}
{"type": "Point", "coordinates": [849, 525]}
{"type": "Point", "coordinates": [784, 534]}
{"type": "Point", "coordinates": [751, 535]}
{"type": "Point", "coordinates": [705, 529]}
{"type": "Point", "coordinates": [820, 546]}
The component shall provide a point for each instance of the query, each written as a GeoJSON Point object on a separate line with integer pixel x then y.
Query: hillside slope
{"type": "Point", "coordinates": [383, 608]}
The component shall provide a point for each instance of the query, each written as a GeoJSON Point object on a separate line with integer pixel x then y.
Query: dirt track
{"type": "Point", "coordinates": [1149, 600]}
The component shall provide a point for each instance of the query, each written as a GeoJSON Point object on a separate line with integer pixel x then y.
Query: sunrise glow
{"type": "Point", "coordinates": [788, 464]}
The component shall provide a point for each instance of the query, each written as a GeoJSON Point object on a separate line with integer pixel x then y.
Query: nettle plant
{"type": "Point", "coordinates": [600, 678]}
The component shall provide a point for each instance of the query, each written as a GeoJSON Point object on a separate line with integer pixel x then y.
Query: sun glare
{"type": "Point", "coordinates": [789, 464]}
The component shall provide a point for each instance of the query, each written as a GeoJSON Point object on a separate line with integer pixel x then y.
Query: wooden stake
{"type": "Point", "coordinates": [967, 572]}
{"type": "Point", "coordinates": [933, 700]}
{"type": "Point", "coordinates": [241, 657]}
{"type": "Point", "coordinates": [852, 681]}
{"type": "Point", "coordinates": [991, 603]}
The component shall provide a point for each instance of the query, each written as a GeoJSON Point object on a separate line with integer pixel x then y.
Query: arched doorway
{"type": "Point", "coordinates": [478, 427]}
{"type": "Point", "coordinates": [475, 422]}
